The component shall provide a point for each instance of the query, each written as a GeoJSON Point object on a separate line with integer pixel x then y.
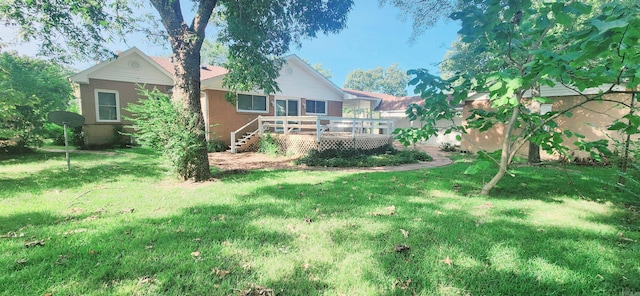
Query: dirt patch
{"type": "Point", "coordinates": [253, 161]}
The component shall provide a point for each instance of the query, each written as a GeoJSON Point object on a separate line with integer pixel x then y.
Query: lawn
{"type": "Point", "coordinates": [118, 224]}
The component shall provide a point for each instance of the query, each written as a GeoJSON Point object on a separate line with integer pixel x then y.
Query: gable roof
{"type": "Point", "coordinates": [206, 71]}
{"type": "Point", "coordinates": [162, 64]}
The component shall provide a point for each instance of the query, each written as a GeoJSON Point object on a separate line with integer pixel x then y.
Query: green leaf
{"type": "Point", "coordinates": [604, 26]}
{"type": "Point", "coordinates": [617, 126]}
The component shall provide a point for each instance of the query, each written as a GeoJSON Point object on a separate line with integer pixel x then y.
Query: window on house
{"type": "Point", "coordinates": [252, 103]}
{"type": "Point", "coordinates": [316, 107]}
{"type": "Point", "coordinates": [107, 105]}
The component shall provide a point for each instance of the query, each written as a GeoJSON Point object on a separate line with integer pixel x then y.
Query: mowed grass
{"type": "Point", "coordinates": [118, 224]}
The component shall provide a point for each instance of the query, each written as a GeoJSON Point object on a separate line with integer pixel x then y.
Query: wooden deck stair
{"type": "Point", "coordinates": [246, 142]}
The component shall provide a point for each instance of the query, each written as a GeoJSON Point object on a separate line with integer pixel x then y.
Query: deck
{"type": "Point", "coordinates": [300, 134]}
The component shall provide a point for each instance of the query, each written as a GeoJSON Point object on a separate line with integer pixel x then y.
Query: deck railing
{"type": "Point", "coordinates": [315, 124]}
{"type": "Point", "coordinates": [321, 124]}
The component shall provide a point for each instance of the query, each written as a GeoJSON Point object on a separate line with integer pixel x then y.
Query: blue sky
{"type": "Point", "coordinates": [375, 37]}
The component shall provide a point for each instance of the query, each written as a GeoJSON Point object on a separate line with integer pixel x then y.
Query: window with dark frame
{"type": "Point", "coordinates": [316, 107]}
{"type": "Point", "coordinates": [252, 103]}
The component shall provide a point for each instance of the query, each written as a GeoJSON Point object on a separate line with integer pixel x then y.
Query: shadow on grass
{"type": "Point", "coordinates": [227, 249]}
{"type": "Point", "coordinates": [13, 223]}
{"type": "Point", "coordinates": [85, 169]}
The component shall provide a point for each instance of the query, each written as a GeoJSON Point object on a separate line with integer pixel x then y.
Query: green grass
{"type": "Point", "coordinates": [548, 231]}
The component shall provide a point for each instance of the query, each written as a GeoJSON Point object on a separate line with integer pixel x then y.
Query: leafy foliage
{"type": "Point", "coordinates": [523, 38]}
{"type": "Point", "coordinates": [258, 33]}
{"type": "Point", "coordinates": [268, 145]}
{"type": "Point", "coordinates": [385, 155]}
{"type": "Point", "coordinates": [29, 90]}
{"type": "Point", "coordinates": [70, 29]}
{"type": "Point", "coordinates": [168, 128]}
{"type": "Point", "coordinates": [392, 80]}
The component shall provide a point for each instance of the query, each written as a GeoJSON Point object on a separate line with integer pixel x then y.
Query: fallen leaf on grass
{"type": "Point", "coordinates": [11, 234]}
{"type": "Point", "coordinates": [305, 266]}
{"type": "Point", "coordinates": [257, 291]}
{"type": "Point", "coordinates": [22, 261]}
{"type": "Point", "coordinates": [127, 211]}
{"type": "Point", "coordinates": [34, 243]}
{"type": "Point", "coordinates": [195, 253]}
{"type": "Point", "coordinates": [405, 233]}
{"type": "Point", "coordinates": [401, 248]}
{"type": "Point", "coordinates": [100, 210]}
{"type": "Point", "coordinates": [221, 273]}
{"type": "Point", "coordinates": [146, 280]}
{"type": "Point", "coordinates": [308, 220]}
{"type": "Point", "coordinates": [447, 261]}
{"type": "Point", "coordinates": [403, 285]}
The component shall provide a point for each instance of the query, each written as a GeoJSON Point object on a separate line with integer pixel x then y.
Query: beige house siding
{"type": "Point", "coordinates": [96, 132]}
{"type": "Point", "coordinates": [225, 118]}
{"type": "Point", "coordinates": [591, 120]}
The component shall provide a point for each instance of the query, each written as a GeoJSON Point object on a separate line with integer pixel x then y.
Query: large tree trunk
{"type": "Point", "coordinates": [506, 154]}
{"type": "Point", "coordinates": [186, 91]}
{"type": "Point", "coordinates": [186, 42]}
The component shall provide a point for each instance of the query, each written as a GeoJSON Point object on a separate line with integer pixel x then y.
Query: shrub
{"type": "Point", "coordinates": [268, 145]}
{"type": "Point", "coordinates": [216, 145]}
{"type": "Point", "coordinates": [385, 155]}
{"type": "Point", "coordinates": [168, 128]}
{"type": "Point", "coordinates": [448, 147]}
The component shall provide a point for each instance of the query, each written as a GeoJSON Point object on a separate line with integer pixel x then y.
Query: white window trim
{"type": "Point", "coordinates": [326, 106]}
{"type": "Point", "coordinates": [98, 104]}
{"type": "Point", "coordinates": [253, 111]}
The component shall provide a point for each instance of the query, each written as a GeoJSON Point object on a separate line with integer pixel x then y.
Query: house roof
{"type": "Point", "coordinates": [163, 64]}
{"type": "Point", "coordinates": [385, 102]}
{"type": "Point", "coordinates": [206, 71]}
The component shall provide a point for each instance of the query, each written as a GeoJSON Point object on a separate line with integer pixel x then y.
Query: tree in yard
{"type": "Point", "coordinates": [322, 70]}
{"type": "Point", "coordinates": [29, 90]}
{"type": "Point", "coordinates": [214, 53]}
{"type": "Point", "coordinates": [257, 34]}
{"type": "Point", "coordinates": [534, 44]}
{"type": "Point", "coordinates": [392, 80]}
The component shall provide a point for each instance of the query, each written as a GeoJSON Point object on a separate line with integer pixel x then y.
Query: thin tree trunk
{"type": "Point", "coordinates": [625, 153]}
{"type": "Point", "coordinates": [534, 150]}
{"type": "Point", "coordinates": [506, 152]}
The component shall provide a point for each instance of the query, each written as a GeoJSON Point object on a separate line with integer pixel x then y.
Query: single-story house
{"type": "Point", "coordinates": [591, 119]}
{"type": "Point", "coordinates": [108, 87]}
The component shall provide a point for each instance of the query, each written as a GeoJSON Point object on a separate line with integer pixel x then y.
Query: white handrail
{"type": "Point", "coordinates": [233, 134]}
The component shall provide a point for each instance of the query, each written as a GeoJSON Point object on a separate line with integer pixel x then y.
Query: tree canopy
{"type": "Point", "coordinates": [392, 80]}
{"type": "Point", "coordinates": [572, 43]}
{"type": "Point", "coordinates": [29, 90]}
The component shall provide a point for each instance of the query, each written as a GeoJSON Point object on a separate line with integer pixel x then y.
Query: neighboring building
{"type": "Point", "coordinates": [395, 108]}
{"type": "Point", "coordinates": [591, 119]}
{"type": "Point", "coordinates": [108, 87]}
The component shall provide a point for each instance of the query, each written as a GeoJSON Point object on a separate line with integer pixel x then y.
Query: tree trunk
{"type": "Point", "coordinates": [534, 153]}
{"type": "Point", "coordinates": [534, 150]}
{"type": "Point", "coordinates": [186, 42]}
{"type": "Point", "coordinates": [625, 154]}
{"type": "Point", "coordinates": [186, 91]}
{"type": "Point", "coordinates": [506, 152]}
